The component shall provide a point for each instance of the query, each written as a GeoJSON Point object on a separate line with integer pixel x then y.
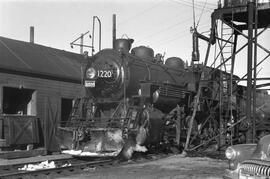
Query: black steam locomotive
{"type": "Point", "coordinates": [135, 102]}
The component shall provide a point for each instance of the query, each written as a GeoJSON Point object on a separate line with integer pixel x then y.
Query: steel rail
{"type": "Point", "coordinates": [52, 171]}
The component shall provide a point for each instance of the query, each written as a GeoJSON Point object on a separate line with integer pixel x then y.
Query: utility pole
{"type": "Point", "coordinates": [81, 45]}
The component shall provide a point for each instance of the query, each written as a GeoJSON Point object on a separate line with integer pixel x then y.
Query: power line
{"type": "Point", "coordinates": [201, 14]}
{"type": "Point", "coordinates": [196, 3]}
{"type": "Point", "coordinates": [168, 28]}
{"type": "Point", "coordinates": [193, 11]}
{"type": "Point", "coordinates": [177, 37]}
{"type": "Point", "coordinates": [190, 5]}
{"type": "Point", "coordinates": [174, 38]}
{"type": "Point", "coordinates": [139, 14]}
{"type": "Point", "coordinates": [208, 3]}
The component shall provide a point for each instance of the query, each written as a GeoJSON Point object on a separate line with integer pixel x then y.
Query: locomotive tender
{"type": "Point", "coordinates": [134, 102]}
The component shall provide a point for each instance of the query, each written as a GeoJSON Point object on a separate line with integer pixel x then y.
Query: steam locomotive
{"type": "Point", "coordinates": [135, 102]}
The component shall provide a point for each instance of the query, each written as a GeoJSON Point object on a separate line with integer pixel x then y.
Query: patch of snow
{"type": "Point", "coordinates": [43, 165]}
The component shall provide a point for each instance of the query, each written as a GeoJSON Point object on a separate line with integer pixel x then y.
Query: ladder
{"type": "Point", "coordinates": [133, 116]}
{"type": "Point", "coordinates": [226, 76]}
{"type": "Point", "coordinates": [119, 116]}
{"type": "Point", "coordinates": [78, 110]}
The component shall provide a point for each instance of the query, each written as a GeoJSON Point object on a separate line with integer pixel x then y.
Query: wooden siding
{"type": "Point", "coordinates": [52, 89]}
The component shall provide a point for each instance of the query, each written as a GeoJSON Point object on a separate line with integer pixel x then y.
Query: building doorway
{"type": "Point", "coordinates": [66, 107]}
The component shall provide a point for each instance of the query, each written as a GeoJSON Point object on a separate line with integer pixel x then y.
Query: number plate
{"type": "Point", "coordinates": [104, 73]}
{"type": "Point", "coordinates": [89, 83]}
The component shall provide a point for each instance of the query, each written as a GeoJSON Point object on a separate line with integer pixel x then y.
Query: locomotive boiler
{"type": "Point", "coordinates": [129, 96]}
{"type": "Point", "coordinates": [114, 74]}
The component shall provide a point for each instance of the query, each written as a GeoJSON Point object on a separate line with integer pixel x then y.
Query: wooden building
{"type": "Point", "coordinates": [38, 85]}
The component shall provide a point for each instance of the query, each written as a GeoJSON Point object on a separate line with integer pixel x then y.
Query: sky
{"type": "Point", "coordinates": [163, 25]}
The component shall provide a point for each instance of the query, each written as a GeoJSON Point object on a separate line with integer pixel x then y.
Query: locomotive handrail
{"type": "Point", "coordinates": [94, 120]}
{"type": "Point", "coordinates": [163, 83]}
{"type": "Point", "coordinates": [93, 33]}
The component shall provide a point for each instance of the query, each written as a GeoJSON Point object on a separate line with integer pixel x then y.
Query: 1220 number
{"type": "Point", "coordinates": [104, 73]}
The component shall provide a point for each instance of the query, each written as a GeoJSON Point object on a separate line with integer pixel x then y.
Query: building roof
{"type": "Point", "coordinates": [40, 61]}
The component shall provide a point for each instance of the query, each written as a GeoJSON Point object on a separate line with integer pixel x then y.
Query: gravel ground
{"type": "Point", "coordinates": [175, 167]}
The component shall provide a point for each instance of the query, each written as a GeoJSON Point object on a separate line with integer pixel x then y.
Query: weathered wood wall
{"type": "Point", "coordinates": [46, 90]}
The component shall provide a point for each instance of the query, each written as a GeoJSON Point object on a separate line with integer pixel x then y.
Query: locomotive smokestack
{"type": "Point", "coordinates": [114, 30]}
{"type": "Point", "coordinates": [31, 34]}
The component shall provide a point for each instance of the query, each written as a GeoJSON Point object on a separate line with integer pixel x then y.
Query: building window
{"type": "Point", "coordinates": [66, 107]}
{"type": "Point", "coordinates": [19, 101]}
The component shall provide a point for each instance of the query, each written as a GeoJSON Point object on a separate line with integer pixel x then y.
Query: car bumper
{"type": "Point", "coordinates": [230, 174]}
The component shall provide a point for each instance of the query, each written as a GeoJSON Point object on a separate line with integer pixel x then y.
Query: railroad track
{"type": "Point", "coordinates": [69, 166]}
{"type": "Point", "coordinates": [72, 166]}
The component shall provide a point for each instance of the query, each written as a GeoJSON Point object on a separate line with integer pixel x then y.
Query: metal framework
{"type": "Point", "coordinates": [224, 33]}
{"type": "Point", "coordinates": [252, 16]}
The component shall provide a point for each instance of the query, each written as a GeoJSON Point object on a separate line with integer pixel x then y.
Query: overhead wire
{"type": "Point", "coordinates": [201, 14]}
{"type": "Point", "coordinates": [154, 34]}
{"type": "Point", "coordinates": [190, 5]}
{"type": "Point", "coordinates": [139, 13]}
{"type": "Point", "coordinates": [186, 3]}
{"type": "Point", "coordinates": [208, 3]}
{"type": "Point", "coordinates": [174, 38]}
{"type": "Point", "coordinates": [167, 28]}
{"type": "Point", "coordinates": [193, 9]}
{"type": "Point", "coordinates": [181, 23]}
{"type": "Point", "coordinates": [178, 23]}
{"type": "Point", "coordinates": [206, 7]}
{"type": "Point", "coordinates": [198, 5]}
{"type": "Point", "coordinates": [156, 5]}
{"type": "Point", "coordinates": [193, 6]}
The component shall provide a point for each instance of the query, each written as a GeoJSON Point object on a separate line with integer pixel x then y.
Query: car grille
{"type": "Point", "coordinates": [258, 167]}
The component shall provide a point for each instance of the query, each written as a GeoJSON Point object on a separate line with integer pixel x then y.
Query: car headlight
{"type": "Point", "coordinates": [155, 96]}
{"type": "Point", "coordinates": [140, 92]}
{"type": "Point", "coordinates": [90, 73]}
{"type": "Point", "coordinates": [230, 153]}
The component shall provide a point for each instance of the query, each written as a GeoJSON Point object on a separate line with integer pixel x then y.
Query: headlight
{"type": "Point", "coordinates": [140, 92]}
{"type": "Point", "coordinates": [155, 96]}
{"type": "Point", "coordinates": [90, 73]}
{"type": "Point", "coordinates": [230, 153]}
